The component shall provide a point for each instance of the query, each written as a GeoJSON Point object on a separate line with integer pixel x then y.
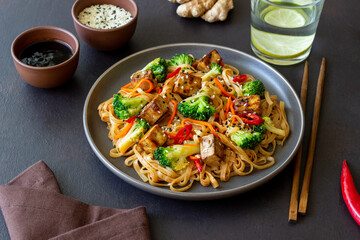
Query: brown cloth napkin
{"type": "Point", "coordinates": [34, 208]}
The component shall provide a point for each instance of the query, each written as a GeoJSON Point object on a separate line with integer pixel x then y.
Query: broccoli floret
{"type": "Point", "coordinates": [255, 87]}
{"type": "Point", "coordinates": [245, 139]}
{"type": "Point", "coordinates": [175, 156]}
{"type": "Point", "coordinates": [216, 69]}
{"type": "Point", "coordinates": [125, 107]}
{"type": "Point", "coordinates": [139, 128]}
{"type": "Point", "coordinates": [159, 68]}
{"type": "Point", "coordinates": [259, 128]}
{"type": "Point", "coordinates": [270, 127]}
{"type": "Point", "coordinates": [197, 108]}
{"type": "Point", "coordinates": [181, 59]}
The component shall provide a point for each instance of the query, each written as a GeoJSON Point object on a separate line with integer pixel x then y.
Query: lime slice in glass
{"type": "Point", "coordinates": [285, 18]}
{"type": "Point", "coordinates": [280, 46]}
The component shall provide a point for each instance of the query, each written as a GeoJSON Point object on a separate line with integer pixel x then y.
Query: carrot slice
{"type": "Point", "coordinates": [170, 135]}
{"type": "Point", "coordinates": [232, 112]}
{"type": "Point", "coordinates": [173, 113]}
{"type": "Point", "coordinates": [126, 89]}
{"type": "Point", "coordinates": [223, 89]}
{"type": "Point", "coordinates": [227, 108]}
{"type": "Point", "coordinates": [125, 130]}
{"type": "Point", "coordinates": [201, 123]}
{"type": "Point", "coordinates": [194, 158]}
{"type": "Point", "coordinates": [190, 144]}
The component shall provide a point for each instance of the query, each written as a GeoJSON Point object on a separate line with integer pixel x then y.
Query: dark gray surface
{"type": "Point", "coordinates": [39, 124]}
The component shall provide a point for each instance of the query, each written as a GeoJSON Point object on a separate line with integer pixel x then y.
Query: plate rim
{"type": "Point", "coordinates": [190, 195]}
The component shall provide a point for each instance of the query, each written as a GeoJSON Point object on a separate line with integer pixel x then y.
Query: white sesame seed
{"type": "Point", "coordinates": [111, 16]}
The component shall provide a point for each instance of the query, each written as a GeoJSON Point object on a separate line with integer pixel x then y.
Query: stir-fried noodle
{"type": "Point", "coordinates": [233, 160]}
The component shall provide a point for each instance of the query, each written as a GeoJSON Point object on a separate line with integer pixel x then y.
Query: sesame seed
{"type": "Point", "coordinates": [111, 16]}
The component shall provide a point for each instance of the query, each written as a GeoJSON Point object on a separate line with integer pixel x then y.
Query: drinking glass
{"type": "Point", "coordinates": [282, 31]}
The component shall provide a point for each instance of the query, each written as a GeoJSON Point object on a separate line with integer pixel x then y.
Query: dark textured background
{"type": "Point", "coordinates": [38, 124]}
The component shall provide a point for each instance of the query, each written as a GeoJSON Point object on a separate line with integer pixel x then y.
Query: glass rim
{"type": "Point", "coordinates": [299, 6]}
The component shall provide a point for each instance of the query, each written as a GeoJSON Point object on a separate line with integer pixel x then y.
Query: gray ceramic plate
{"type": "Point", "coordinates": [118, 75]}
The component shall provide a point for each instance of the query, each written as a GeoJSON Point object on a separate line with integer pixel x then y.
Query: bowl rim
{"type": "Point", "coordinates": [104, 30]}
{"type": "Point", "coordinates": [34, 29]}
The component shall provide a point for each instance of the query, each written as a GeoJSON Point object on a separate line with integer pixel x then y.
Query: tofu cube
{"type": "Point", "coordinates": [186, 85]}
{"type": "Point", "coordinates": [154, 110]}
{"type": "Point", "coordinates": [204, 64]}
{"type": "Point", "coordinates": [154, 138]}
{"type": "Point", "coordinates": [248, 104]}
{"type": "Point", "coordinates": [211, 149]}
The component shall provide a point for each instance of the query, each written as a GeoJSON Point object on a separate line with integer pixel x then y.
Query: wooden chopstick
{"type": "Point", "coordinates": [293, 210]}
{"type": "Point", "coordinates": [310, 157]}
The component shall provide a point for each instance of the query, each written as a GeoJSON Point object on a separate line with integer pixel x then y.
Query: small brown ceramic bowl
{"type": "Point", "coordinates": [46, 77]}
{"type": "Point", "coordinates": [105, 39]}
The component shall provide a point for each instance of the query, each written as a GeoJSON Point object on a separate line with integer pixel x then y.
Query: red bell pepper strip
{"type": "Point", "coordinates": [197, 162]}
{"type": "Point", "coordinates": [198, 165]}
{"type": "Point", "coordinates": [173, 73]}
{"type": "Point", "coordinates": [349, 192]}
{"type": "Point", "coordinates": [251, 119]}
{"type": "Point", "coordinates": [240, 78]}
{"type": "Point", "coordinates": [221, 63]}
{"type": "Point", "coordinates": [173, 136]}
{"type": "Point", "coordinates": [130, 120]}
{"type": "Point", "coordinates": [183, 133]}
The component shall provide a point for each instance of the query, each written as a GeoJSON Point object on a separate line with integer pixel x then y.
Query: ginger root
{"type": "Point", "coordinates": [194, 8]}
{"type": "Point", "coordinates": [179, 1]}
{"type": "Point", "coordinates": [219, 11]}
{"type": "Point", "coordinates": [209, 10]}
